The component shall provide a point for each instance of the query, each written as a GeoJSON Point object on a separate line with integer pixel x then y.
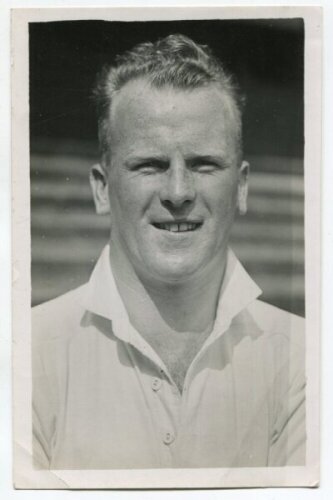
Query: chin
{"type": "Point", "coordinates": [175, 272]}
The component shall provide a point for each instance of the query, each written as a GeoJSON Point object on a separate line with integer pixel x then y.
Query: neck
{"type": "Point", "coordinates": [186, 307]}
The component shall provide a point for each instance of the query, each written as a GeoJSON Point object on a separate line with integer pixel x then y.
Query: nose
{"type": "Point", "coordinates": [178, 187]}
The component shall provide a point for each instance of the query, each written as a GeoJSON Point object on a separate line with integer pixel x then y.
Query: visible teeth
{"type": "Point", "coordinates": [177, 228]}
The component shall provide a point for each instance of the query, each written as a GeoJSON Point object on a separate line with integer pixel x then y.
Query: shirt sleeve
{"type": "Point", "coordinates": [43, 419]}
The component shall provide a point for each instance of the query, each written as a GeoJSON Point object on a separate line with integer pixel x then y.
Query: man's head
{"type": "Point", "coordinates": [171, 174]}
{"type": "Point", "coordinates": [175, 61]}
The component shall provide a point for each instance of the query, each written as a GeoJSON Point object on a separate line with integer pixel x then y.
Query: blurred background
{"type": "Point", "coordinates": [267, 57]}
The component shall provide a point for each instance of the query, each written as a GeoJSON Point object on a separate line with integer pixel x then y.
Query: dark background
{"type": "Point", "coordinates": [267, 57]}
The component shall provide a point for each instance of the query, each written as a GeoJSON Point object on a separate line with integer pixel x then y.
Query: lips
{"type": "Point", "coordinates": [178, 227]}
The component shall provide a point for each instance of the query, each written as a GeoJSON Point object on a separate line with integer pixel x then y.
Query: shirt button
{"type": "Point", "coordinates": [168, 438]}
{"type": "Point", "coordinates": [156, 384]}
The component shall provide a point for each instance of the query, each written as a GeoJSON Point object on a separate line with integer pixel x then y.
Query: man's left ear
{"type": "Point", "coordinates": [243, 187]}
{"type": "Point", "coordinates": [99, 186]}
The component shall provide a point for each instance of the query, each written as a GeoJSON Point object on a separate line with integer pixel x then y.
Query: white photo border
{"type": "Point", "coordinates": [25, 476]}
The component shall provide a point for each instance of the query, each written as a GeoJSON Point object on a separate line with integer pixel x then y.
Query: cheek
{"type": "Point", "coordinates": [222, 198]}
{"type": "Point", "coordinates": [129, 197]}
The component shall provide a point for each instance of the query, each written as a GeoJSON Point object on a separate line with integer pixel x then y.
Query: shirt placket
{"type": "Point", "coordinates": [172, 411]}
{"type": "Point", "coordinates": [189, 398]}
{"type": "Point", "coordinates": [163, 399]}
{"type": "Point", "coordinates": [167, 402]}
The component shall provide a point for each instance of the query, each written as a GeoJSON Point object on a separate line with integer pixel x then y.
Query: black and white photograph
{"type": "Point", "coordinates": [170, 219]}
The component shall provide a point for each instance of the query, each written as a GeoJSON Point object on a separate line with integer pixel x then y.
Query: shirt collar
{"type": "Point", "coordinates": [102, 298]}
{"type": "Point", "coordinates": [237, 292]}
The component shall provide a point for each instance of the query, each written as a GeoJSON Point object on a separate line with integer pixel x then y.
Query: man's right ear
{"type": "Point", "coordinates": [99, 186]}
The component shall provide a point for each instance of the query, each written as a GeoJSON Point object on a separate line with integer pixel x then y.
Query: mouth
{"type": "Point", "coordinates": [178, 227]}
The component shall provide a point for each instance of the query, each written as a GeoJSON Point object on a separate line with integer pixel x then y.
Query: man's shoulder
{"type": "Point", "coordinates": [281, 341]}
{"type": "Point", "coordinates": [282, 329]}
{"type": "Point", "coordinates": [273, 319]}
{"type": "Point", "coordinates": [60, 316]}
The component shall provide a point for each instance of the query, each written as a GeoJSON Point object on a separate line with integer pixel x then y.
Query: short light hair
{"type": "Point", "coordinates": [175, 61]}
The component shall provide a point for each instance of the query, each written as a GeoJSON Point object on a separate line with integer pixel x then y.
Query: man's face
{"type": "Point", "coordinates": [174, 179]}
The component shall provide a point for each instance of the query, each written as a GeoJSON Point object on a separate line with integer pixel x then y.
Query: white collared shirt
{"type": "Point", "coordinates": [103, 398]}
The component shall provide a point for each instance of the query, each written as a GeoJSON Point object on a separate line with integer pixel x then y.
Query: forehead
{"type": "Point", "coordinates": [144, 114]}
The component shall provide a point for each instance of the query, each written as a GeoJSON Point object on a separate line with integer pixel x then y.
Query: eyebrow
{"type": "Point", "coordinates": [209, 158]}
{"type": "Point", "coordinates": [134, 160]}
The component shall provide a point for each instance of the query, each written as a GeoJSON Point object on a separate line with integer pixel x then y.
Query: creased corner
{"type": "Point", "coordinates": [26, 477]}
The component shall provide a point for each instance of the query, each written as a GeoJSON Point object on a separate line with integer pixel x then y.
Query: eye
{"type": "Point", "coordinates": [149, 167]}
{"type": "Point", "coordinates": [206, 166]}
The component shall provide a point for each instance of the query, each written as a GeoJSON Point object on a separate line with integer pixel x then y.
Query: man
{"type": "Point", "coordinates": [166, 358]}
